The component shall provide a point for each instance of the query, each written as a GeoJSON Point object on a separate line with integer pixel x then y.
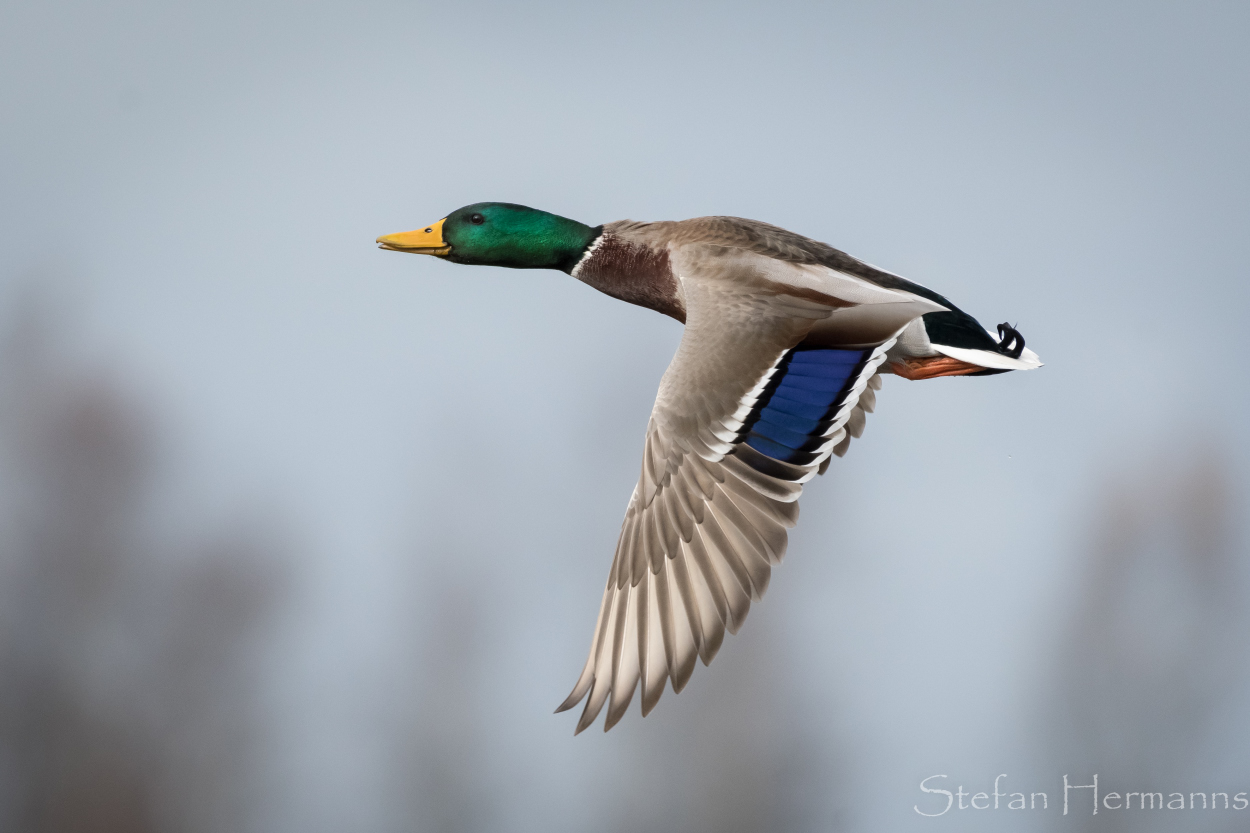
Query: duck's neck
{"type": "Point", "coordinates": [633, 272]}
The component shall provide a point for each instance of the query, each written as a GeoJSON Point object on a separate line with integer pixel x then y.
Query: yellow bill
{"type": "Point", "coordinates": [426, 241]}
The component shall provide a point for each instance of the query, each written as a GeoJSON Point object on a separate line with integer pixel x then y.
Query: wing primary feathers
{"type": "Point", "coordinates": [769, 527]}
{"type": "Point", "coordinates": [735, 524]}
{"type": "Point", "coordinates": [681, 574]}
{"type": "Point", "coordinates": [685, 642]}
{"type": "Point", "coordinates": [756, 568]}
{"type": "Point", "coordinates": [733, 576]}
{"type": "Point", "coordinates": [665, 605]}
{"type": "Point", "coordinates": [686, 485]}
{"type": "Point", "coordinates": [588, 673]}
{"type": "Point", "coordinates": [705, 576]}
{"type": "Point", "coordinates": [602, 672]}
{"type": "Point", "coordinates": [712, 622]}
{"type": "Point", "coordinates": [618, 633]}
{"type": "Point", "coordinates": [655, 665]}
{"type": "Point", "coordinates": [644, 620]}
{"type": "Point", "coordinates": [734, 579]}
{"type": "Point", "coordinates": [698, 473]}
{"type": "Point", "coordinates": [652, 551]}
{"type": "Point", "coordinates": [666, 523]}
{"type": "Point", "coordinates": [679, 509]}
{"type": "Point", "coordinates": [628, 662]}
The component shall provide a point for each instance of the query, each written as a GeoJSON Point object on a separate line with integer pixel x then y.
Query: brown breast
{"type": "Point", "coordinates": [633, 272]}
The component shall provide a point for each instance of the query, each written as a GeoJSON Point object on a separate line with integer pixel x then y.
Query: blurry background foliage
{"type": "Point", "coordinates": [296, 535]}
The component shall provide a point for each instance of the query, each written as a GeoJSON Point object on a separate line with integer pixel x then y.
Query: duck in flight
{"type": "Point", "coordinates": [784, 345]}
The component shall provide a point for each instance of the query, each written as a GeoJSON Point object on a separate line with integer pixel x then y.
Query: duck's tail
{"type": "Point", "coordinates": [953, 343]}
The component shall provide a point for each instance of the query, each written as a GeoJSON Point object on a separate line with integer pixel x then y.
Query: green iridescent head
{"type": "Point", "coordinates": [499, 234]}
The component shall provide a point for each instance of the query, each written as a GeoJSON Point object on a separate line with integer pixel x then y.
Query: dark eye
{"type": "Point", "coordinates": [476, 219]}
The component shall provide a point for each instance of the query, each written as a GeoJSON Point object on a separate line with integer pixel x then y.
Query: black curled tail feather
{"type": "Point", "coordinates": [1010, 342]}
{"type": "Point", "coordinates": [956, 328]}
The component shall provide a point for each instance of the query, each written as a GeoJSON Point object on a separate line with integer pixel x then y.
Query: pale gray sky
{"type": "Point", "coordinates": [199, 187]}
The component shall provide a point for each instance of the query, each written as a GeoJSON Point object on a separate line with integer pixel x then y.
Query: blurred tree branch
{"type": "Point", "coordinates": [126, 666]}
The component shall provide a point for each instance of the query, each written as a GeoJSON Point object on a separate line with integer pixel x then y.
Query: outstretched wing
{"type": "Point", "coordinates": [743, 418]}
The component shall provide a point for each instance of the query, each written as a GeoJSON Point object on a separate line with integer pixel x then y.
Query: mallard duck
{"type": "Point", "coordinates": [784, 345]}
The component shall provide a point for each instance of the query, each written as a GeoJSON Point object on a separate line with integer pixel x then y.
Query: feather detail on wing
{"type": "Point", "coordinates": [724, 461]}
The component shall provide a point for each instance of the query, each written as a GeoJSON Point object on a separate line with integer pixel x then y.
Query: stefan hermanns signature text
{"type": "Point", "coordinates": [939, 800]}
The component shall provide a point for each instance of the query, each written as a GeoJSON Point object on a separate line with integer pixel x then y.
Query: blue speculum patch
{"type": "Point", "coordinates": [801, 401]}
